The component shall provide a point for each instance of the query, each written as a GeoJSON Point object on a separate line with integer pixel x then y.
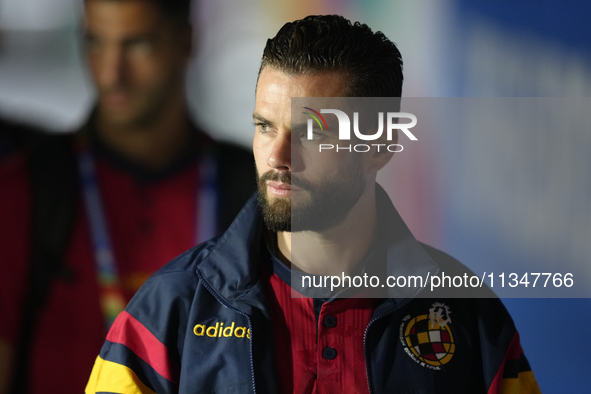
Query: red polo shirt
{"type": "Point", "coordinates": [318, 342]}
{"type": "Point", "coordinates": [151, 219]}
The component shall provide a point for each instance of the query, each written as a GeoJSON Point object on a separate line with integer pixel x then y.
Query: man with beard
{"type": "Point", "coordinates": [87, 218]}
{"type": "Point", "coordinates": [228, 317]}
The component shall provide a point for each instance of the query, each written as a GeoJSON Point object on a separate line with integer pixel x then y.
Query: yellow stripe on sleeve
{"type": "Point", "coordinates": [525, 384]}
{"type": "Point", "coordinates": [111, 377]}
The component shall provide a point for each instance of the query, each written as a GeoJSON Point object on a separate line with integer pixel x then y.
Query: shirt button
{"type": "Point", "coordinates": [329, 353]}
{"type": "Point", "coordinates": [330, 321]}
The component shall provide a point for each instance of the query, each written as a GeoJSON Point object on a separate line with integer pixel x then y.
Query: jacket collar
{"type": "Point", "coordinates": [405, 255]}
{"type": "Point", "coordinates": [232, 268]}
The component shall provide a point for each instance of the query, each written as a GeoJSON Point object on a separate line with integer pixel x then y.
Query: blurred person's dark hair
{"type": "Point", "coordinates": [371, 62]}
{"type": "Point", "coordinates": [179, 11]}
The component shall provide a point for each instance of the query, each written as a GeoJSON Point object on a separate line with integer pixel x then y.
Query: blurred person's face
{"type": "Point", "coordinates": [137, 57]}
{"type": "Point", "coordinates": [298, 186]}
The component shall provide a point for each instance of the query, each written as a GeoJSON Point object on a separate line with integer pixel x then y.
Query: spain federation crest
{"type": "Point", "coordinates": [428, 338]}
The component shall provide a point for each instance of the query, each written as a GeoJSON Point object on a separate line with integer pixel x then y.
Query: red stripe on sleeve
{"type": "Point", "coordinates": [128, 331]}
{"type": "Point", "coordinates": [513, 353]}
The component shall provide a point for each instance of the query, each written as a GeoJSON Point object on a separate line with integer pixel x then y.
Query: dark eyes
{"type": "Point", "coordinates": [135, 45]}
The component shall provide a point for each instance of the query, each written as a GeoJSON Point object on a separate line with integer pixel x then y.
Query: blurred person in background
{"type": "Point", "coordinates": [88, 217]}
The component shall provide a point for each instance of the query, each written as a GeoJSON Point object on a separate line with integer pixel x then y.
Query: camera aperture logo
{"type": "Point", "coordinates": [345, 130]}
{"type": "Point", "coordinates": [316, 119]}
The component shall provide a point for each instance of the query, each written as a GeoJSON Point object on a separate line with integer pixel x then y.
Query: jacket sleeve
{"type": "Point", "coordinates": [514, 375]}
{"type": "Point", "coordinates": [133, 360]}
{"type": "Point", "coordinates": [143, 349]}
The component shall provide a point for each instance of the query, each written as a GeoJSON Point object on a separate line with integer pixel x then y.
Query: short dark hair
{"type": "Point", "coordinates": [371, 61]}
{"type": "Point", "coordinates": [179, 11]}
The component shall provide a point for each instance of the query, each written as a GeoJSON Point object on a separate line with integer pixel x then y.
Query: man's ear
{"type": "Point", "coordinates": [379, 159]}
{"type": "Point", "coordinates": [380, 155]}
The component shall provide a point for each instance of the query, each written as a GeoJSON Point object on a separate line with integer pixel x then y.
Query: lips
{"type": "Point", "coordinates": [279, 185]}
{"type": "Point", "coordinates": [279, 189]}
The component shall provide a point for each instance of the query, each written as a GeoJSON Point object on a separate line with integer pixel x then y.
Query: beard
{"type": "Point", "coordinates": [328, 205]}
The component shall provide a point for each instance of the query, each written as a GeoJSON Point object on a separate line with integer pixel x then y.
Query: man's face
{"type": "Point", "coordinates": [298, 187]}
{"type": "Point", "coordinates": [137, 58]}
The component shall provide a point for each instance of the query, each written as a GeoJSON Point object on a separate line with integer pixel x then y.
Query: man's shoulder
{"type": "Point", "coordinates": [478, 305]}
{"type": "Point", "coordinates": [446, 262]}
{"type": "Point", "coordinates": [172, 288]}
{"type": "Point", "coordinates": [449, 267]}
{"type": "Point", "coordinates": [183, 266]}
{"type": "Point", "coordinates": [197, 274]}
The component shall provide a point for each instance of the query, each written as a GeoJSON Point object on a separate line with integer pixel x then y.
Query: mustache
{"type": "Point", "coordinates": [276, 176]}
{"type": "Point", "coordinates": [284, 177]}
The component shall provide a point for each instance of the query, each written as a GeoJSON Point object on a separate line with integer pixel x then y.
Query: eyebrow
{"type": "Point", "coordinates": [261, 119]}
{"type": "Point", "coordinates": [128, 40]}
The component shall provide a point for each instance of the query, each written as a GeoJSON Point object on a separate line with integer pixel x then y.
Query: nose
{"type": "Point", "coordinates": [280, 156]}
{"type": "Point", "coordinates": [109, 69]}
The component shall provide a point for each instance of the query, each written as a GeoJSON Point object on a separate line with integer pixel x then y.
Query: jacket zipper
{"type": "Point", "coordinates": [405, 302]}
{"type": "Point", "coordinates": [221, 301]}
